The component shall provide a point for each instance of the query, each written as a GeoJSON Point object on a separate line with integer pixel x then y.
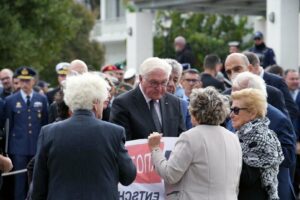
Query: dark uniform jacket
{"type": "Point", "coordinates": [51, 94]}
{"type": "Point", "coordinates": [266, 55]}
{"type": "Point", "coordinates": [25, 122]}
{"type": "Point", "coordinates": [81, 158]}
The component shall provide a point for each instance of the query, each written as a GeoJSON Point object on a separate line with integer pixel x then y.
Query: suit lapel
{"type": "Point", "coordinates": [143, 109]}
{"type": "Point", "coordinates": [163, 108]}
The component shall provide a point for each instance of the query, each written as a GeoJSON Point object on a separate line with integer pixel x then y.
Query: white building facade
{"type": "Point", "coordinates": [129, 36]}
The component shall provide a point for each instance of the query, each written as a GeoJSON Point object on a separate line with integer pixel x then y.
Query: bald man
{"type": "Point", "coordinates": [6, 77]}
{"type": "Point", "coordinates": [237, 63]}
{"type": "Point", "coordinates": [78, 66]}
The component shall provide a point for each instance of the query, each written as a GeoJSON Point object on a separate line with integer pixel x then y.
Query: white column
{"type": "Point", "coordinates": [103, 10]}
{"type": "Point", "coordinates": [283, 33]}
{"type": "Point", "coordinates": [140, 38]}
{"type": "Point", "coordinates": [299, 42]}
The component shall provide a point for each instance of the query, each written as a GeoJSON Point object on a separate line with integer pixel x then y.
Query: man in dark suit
{"type": "Point", "coordinates": [211, 63]}
{"type": "Point", "coordinates": [62, 71]}
{"type": "Point", "coordinates": [148, 108]}
{"type": "Point", "coordinates": [26, 112]}
{"type": "Point", "coordinates": [237, 63]}
{"type": "Point", "coordinates": [281, 125]}
{"type": "Point", "coordinates": [275, 81]}
{"type": "Point", "coordinates": [6, 78]}
{"type": "Point", "coordinates": [82, 157]}
{"type": "Point", "coordinates": [292, 80]}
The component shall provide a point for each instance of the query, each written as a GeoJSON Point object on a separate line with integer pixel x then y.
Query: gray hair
{"type": "Point", "coordinates": [249, 80]}
{"type": "Point", "coordinates": [180, 40]}
{"type": "Point", "coordinates": [176, 66]}
{"type": "Point", "coordinates": [8, 71]}
{"type": "Point", "coordinates": [208, 106]}
{"type": "Point", "coordinates": [81, 91]}
{"type": "Point", "coordinates": [153, 63]}
{"type": "Point", "coordinates": [78, 67]}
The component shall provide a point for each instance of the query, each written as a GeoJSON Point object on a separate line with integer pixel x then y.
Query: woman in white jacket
{"type": "Point", "coordinates": [207, 159]}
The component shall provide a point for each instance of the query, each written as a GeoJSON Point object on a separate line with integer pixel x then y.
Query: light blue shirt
{"type": "Point", "coordinates": [24, 95]}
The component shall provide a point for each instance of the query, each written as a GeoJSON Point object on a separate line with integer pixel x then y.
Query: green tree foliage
{"type": "Point", "coordinates": [80, 47]}
{"type": "Point", "coordinates": [32, 32]}
{"type": "Point", "coordinates": [41, 33]}
{"type": "Point", "coordinates": [205, 33]}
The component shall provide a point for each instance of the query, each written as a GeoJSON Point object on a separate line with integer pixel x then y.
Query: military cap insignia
{"type": "Point", "coordinates": [25, 71]}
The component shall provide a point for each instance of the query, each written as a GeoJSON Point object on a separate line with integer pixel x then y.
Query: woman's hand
{"type": "Point", "coordinates": [154, 140]}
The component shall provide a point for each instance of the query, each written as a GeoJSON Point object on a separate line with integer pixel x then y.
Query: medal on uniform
{"type": "Point", "coordinates": [18, 105]}
{"type": "Point", "coordinates": [39, 114]}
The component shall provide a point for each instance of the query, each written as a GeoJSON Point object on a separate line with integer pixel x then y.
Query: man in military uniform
{"type": "Point", "coordinates": [121, 87]}
{"type": "Point", "coordinates": [26, 112]}
{"type": "Point", "coordinates": [62, 71]}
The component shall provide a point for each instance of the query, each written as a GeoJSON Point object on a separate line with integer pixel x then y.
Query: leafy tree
{"type": "Point", "coordinates": [80, 47]}
{"type": "Point", "coordinates": [41, 33]}
{"type": "Point", "coordinates": [32, 32]}
{"type": "Point", "coordinates": [205, 33]}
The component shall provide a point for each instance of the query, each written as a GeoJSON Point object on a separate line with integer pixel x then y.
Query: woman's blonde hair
{"type": "Point", "coordinates": [253, 100]}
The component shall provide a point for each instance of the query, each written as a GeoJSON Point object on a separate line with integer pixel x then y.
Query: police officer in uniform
{"type": "Point", "coordinates": [26, 112]}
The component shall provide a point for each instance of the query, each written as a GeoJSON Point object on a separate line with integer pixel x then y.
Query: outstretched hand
{"type": "Point", "coordinates": [154, 140]}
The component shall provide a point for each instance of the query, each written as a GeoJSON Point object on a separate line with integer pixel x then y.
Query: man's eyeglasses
{"type": "Point", "coordinates": [191, 80]}
{"type": "Point", "coordinates": [236, 110]}
{"type": "Point", "coordinates": [155, 84]}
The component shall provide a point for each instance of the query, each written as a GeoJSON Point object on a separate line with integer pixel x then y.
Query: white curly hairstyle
{"type": "Point", "coordinates": [81, 91]}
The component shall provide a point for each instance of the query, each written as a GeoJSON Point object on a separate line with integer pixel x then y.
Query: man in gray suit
{"type": "Point", "coordinates": [82, 157]}
{"type": "Point", "coordinates": [148, 108]}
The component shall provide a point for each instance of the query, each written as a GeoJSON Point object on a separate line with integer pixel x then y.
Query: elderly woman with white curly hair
{"type": "Point", "coordinates": [82, 157]}
{"type": "Point", "coordinates": [206, 161]}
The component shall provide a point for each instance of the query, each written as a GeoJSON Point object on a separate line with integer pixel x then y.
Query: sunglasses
{"type": "Point", "coordinates": [236, 110]}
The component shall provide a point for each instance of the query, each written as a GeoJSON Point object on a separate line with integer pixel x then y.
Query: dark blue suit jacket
{"type": "Point", "coordinates": [278, 82]}
{"type": "Point", "coordinates": [25, 122]}
{"type": "Point", "coordinates": [186, 114]}
{"type": "Point", "coordinates": [2, 114]}
{"type": "Point", "coordinates": [81, 158]}
{"type": "Point", "coordinates": [282, 126]}
{"type": "Point", "coordinates": [297, 127]}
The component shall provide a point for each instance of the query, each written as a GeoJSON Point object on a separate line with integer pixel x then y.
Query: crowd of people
{"type": "Point", "coordinates": [237, 125]}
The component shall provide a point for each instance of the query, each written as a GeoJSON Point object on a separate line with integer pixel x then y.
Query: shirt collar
{"type": "Point", "coordinates": [262, 73]}
{"type": "Point", "coordinates": [146, 98]}
{"type": "Point", "coordinates": [24, 95]}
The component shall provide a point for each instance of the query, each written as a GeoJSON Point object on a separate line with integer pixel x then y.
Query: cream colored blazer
{"type": "Point", "coordinates": [205, 164]}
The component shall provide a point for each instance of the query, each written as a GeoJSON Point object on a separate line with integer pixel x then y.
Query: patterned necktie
{"type": "Point", "coordinates": [155, 117]}
{"type": "Point", "coordinates": [28, 101]}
